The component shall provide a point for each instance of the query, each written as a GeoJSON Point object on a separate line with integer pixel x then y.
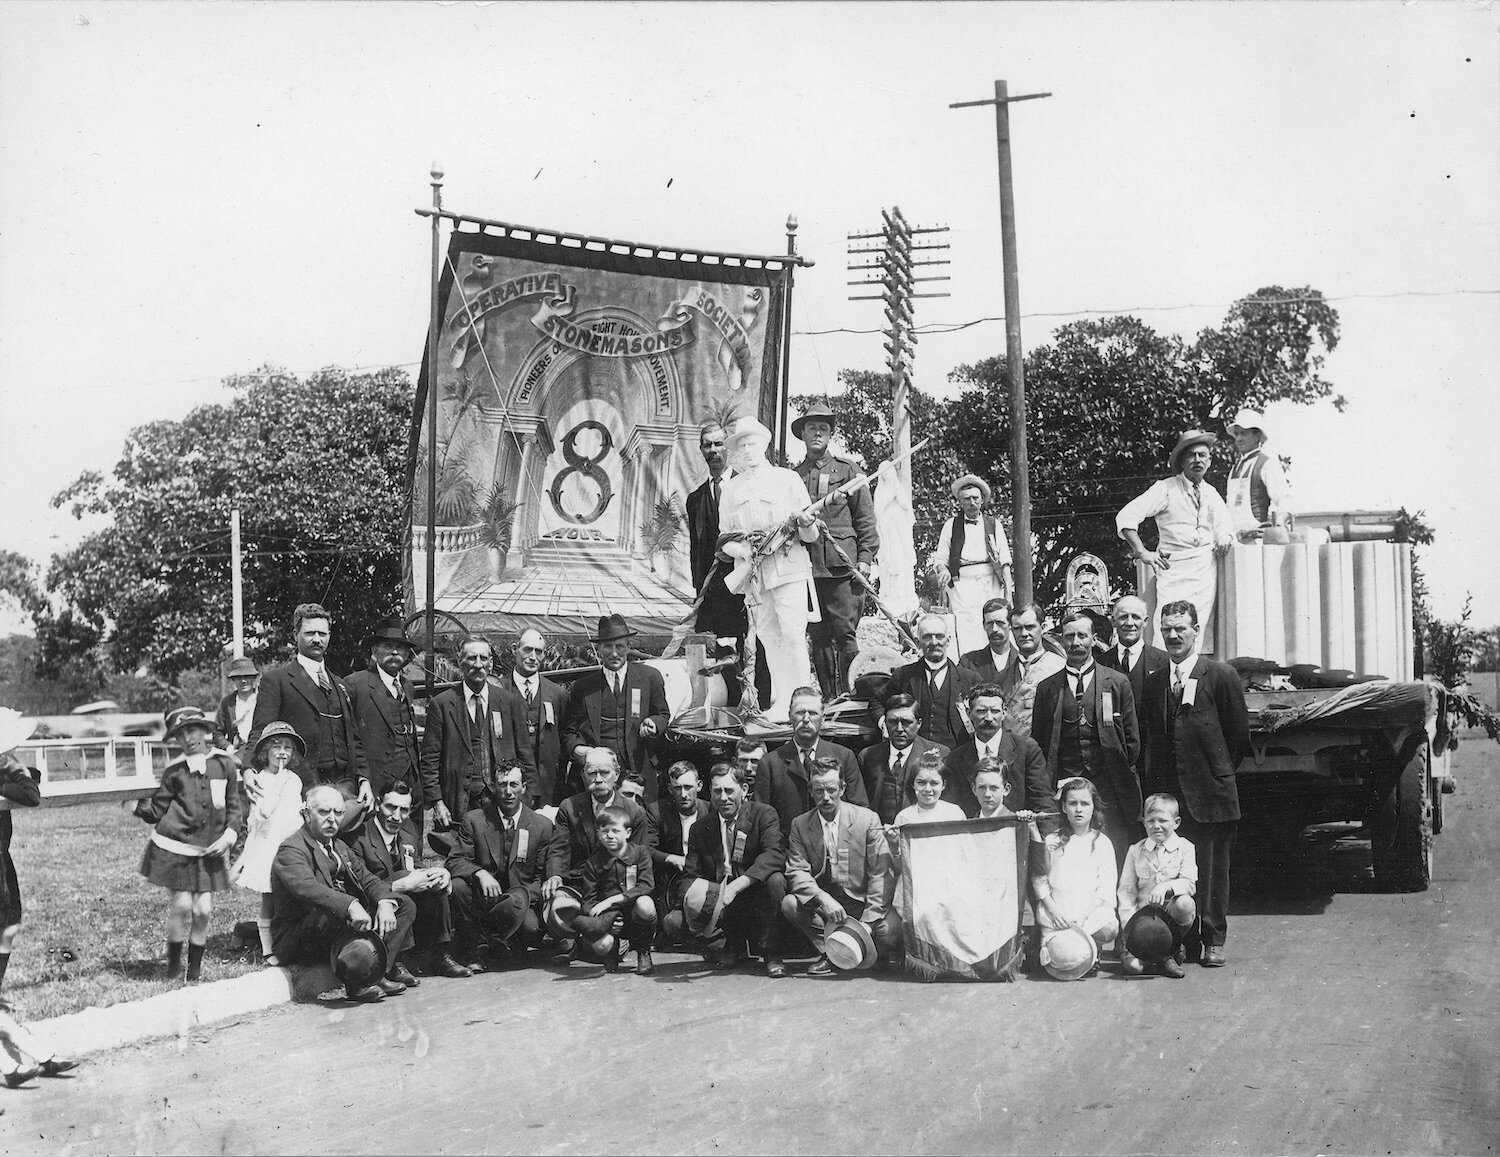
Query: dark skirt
{"type": "Point", "coordinates": [10, 892]}
{"type": "Point", "coordinates": [184, 873]}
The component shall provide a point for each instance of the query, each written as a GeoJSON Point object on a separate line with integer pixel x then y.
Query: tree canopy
{"type": "Point", "coordinates": [1106, 401]}
{"type": "Point", "coordinates": [316, 469]}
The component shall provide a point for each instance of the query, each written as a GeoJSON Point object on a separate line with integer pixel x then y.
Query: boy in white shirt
{"type": "Point", "coordinates": [1162, 869]}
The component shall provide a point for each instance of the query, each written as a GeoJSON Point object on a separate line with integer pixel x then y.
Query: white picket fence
{"type": "Point", "coordinates": [78, 771]}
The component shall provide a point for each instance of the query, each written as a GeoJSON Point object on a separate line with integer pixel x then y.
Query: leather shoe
{"type": "Point", "coordinates": [1213, 956]}
{"type": "Point", "coordinates": [1170, 967]}
{"type": "Point", "coordinates": [1131, 966]}
{"type": "Point", "coordinates": [402, 976]}
{"type": "Point", "coordinates": [725, 962]}
{"type": "Point", "coordinates": [15, 1080]}
{"type": "Point", "coordinates": [643, 963]}
{"type": "Point", "coordinates": [54, 1066]}
{"type": "Point", "coordinates": [821, 967]}
{"type": "Point", "coordinates": [775, 967]}
{"type": "Point", "coordinates": [390, 987]}
{"type": "Point", "coordinates": [445, 965]}
{"type": "Point", "coordinates": [369, 994]}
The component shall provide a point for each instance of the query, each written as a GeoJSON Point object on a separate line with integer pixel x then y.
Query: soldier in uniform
{"type": "Point", "coordinates": [850, 522]}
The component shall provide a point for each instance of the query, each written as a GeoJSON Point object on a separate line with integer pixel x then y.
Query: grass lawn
{"type": "Point", "coordinates": [93, 931]}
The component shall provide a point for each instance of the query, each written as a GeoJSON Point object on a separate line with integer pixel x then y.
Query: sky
{"type": "Point", "coordinates": [191, 191]}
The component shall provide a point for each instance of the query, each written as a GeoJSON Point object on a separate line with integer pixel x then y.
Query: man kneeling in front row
{"type": "Point", "coordinates": [838, 867]}
{"type": "Point", "coordinates": [322, 897]}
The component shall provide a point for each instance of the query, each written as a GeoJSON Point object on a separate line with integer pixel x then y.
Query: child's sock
{"type": "Point", "coordinates": [263, 926]}
{"type": "Point", "coordinates": [174, 959]}
{"type": "Point", "coordinates": [195, 961]}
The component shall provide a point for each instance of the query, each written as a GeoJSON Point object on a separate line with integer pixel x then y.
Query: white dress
{"type": "Point", "coordinates": [1081, 879]}
{"type": "Point", "coordinates": [276, 816]}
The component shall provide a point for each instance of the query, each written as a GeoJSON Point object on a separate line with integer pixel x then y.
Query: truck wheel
{"type": "Point", "coordinates": [1401, 843]}
{"type": "Point", "coordinates": [1436, 795]}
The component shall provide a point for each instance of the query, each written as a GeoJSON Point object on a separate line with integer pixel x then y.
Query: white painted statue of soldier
{"type": "Point", "coordinates": [779, 593]}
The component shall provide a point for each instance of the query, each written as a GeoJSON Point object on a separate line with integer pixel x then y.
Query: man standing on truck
{"type": "Point", "coordinates": [1197, 733]}
{"type": "Point", "coordinates": [1193, 525]}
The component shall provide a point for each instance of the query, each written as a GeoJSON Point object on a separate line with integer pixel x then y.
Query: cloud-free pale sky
{"type": "Point", "coordinates": [190, 191]}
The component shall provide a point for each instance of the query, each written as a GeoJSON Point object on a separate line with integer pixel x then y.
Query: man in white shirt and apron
{"type": "Point", "coordinates": [1259, 493]}
{"type": "Point", "coordinates": [972, 559]}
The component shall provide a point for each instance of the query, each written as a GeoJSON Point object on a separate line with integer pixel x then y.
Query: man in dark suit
{"type": "Point", "coordinates": [782, 780]}
{"type": "Point", "coordinates": [1131, 654]}
{"type": "Point", "coordinates": [382, 711]}
{"type": "Point", "coordinates": [738, 848]}
{"type": "Point", "coordinates": [321, 896]}
{"type": "Point", "coordinates": [998, 662]}
{"type": "Point", "coordinates": [1028, 785]}
{"type": "Point", "coordinates": [470, 729]}
{"type": "Point", "coordinates": [1198, 732]}
{"type": "Point", "coordinates": [849, 521]}
{"type": "Point", "coordinates": [1084, 720]}
{"type": "Point", "coordinates": [498, 862]}
{"type": "Point", "coordinates": [888, 768]}
{"type": "Point", "coordinates": [575, 835]}
{"type": "Point", "coordinates": [721, 613]}
{"type": "Point", "coordinates": [674, 822]}
{"type": "Point", "coordinates": [388, 848]}
{"type": "Point", "coordinates": [546, 708]}
{"type": "Point", "coordinates": [939, 685]}
{"type": "Point", "coordinates": [315, 701]}
{"type": "Point", "coordinates": [622, 708]}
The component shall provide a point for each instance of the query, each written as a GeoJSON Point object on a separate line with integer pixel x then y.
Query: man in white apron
{"type": "Point", "coordinates": [1194, 526]}
{"type": "Point", "coordinates": [973, 560]}
{"type": "Point", "coordinates": [1259, 495]}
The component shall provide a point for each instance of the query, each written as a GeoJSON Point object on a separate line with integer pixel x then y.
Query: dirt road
{"type": "Point", "coordinates": [1346, 1022]}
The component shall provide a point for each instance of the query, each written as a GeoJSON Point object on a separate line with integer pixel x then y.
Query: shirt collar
{"type": "Point", "coordinates": [311, 666]}
{"type": "Point", "coordinates": [1086, 669]}
{"type": "Point", "coordinates": [197, 764]}
{"type": "Point", "coordinates": [939, 669]}
{"type": "Point", "coordinates": [1170, 844]}
{"type": "Point", "coordinates": [390, 684]}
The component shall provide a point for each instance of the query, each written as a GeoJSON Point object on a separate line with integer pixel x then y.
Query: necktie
{"type": "Point", "coordinates": [1176, 680]}
{"type": "Point", "coordinates": [1197, 497]}
{"type": "Point", "coordinates": [481, 739]}
{"type": "Point", "coordinates": [714, 487]}
{"type": "Point", "coordinates": [932, 683]}
{"type": "Point", "coordinates": [726, 833]}
{"type": "Point", "coordinates": [896, 767]}
{"type": "Point", "coordinates": [530, 693]}
{"type": "Point", "coordinates": [807, 764]}
{"type": "Point", "coordinates": [1078, 688]}
{"type": "Point", "coordinates": [323, 679]}
{"type": "Point", "coordinates": [1124, 658]}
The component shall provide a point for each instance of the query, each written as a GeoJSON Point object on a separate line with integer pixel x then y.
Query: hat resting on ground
{"type": "Point", "coordinates": [850, 946]}
{"type": "Point", "coordinates": [612, 628]}
{"type": "Point", "coordinates": [1189, 439]}
{"type": "Point", "coordinates": [817, 410]}
{"type": "Point", "coordinates": [391, 630]}
{"type": "Point", "coordinates": [1152, 934]}
{"type": "Point", "coordinates": [1248, 420]}
{"type": "Point", "coordinates": [359, 961]}
{"type": "Point", "coordinates": [240, 666]}
{"type": "Point", "coordinates": [959, 484]}
{"type": "Point", "coordinates": [180, 717]}
{"type": "Point", "coordinates": [279, 729]}
{"type": "Point", "coordinates": [1069, 953]}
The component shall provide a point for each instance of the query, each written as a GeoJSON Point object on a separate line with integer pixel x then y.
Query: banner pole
{"type": "Point", "coordinates": [432, 438]}
{"type": "Point", "coordinates": [785, 390]}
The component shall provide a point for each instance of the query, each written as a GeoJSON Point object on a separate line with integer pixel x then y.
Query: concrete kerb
{"type": "Point", "coordinates": [177, 1013]}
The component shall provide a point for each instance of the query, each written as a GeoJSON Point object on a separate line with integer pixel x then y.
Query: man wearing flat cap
{"type": "Point", "coordinates": [1259, 495]}
{"type": "Point", "coordinates": [622, 707]}
{"type": "Point", "coordinates": [849, 521]}
{"type": "Point", "coordinates": [383, 714]}
{"type": "Point", "coordinates": [972, 560]}
{"type": "Point", "coordinates": [1193, 525]}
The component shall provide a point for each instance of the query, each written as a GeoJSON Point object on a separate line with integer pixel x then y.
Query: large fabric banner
{"type": "Point", "coordinates": [572, 382]}
{"type": "Point", "coordinates": [963, 889]}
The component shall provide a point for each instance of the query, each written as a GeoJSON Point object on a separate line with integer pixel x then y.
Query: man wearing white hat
{"type": "Point", "coordinates": [1193, 523]}
{"type": "Point", "coordinates": [972, 559]}
{"type": "Point", "coordinates": [778, 586]}
{"type": "Point", "coordinates": [1259, 493]}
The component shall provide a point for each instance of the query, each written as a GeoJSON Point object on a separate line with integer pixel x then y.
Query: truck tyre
{"type": "Point", "coordinates": [1401, 843]}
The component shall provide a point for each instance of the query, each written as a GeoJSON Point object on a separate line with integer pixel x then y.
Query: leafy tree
{"type": "Point", "coordinates": [317, 470]}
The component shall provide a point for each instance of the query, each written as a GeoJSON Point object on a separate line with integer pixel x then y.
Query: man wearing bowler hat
{"type": "Point", "coordinates": [322, 896]}
{"type": "Point", "coordinates": [236, 715]}
{"type": "Point", "coordinates": [622, 707]}
{"type": "Point", "coordinates": [383, 714]}
{"type": "Point", "coordinates": [1193, 525]}
{"type": "Point", "coordinates": [849, 521]}
{"type": "Point", "coordinates": [972, 560]}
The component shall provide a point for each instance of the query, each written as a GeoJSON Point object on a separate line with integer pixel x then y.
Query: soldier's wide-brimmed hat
{"type": "Point", "coordinates": [239, 667]}
{"type": "Point", "coordinates": [280, 729]}
{"type": "Point", "coordinates": [1069, 953]}
{"type": "Point", "coordinates": [962, 484]}
{"type": "Point", "coordinates": [744, 428]}
{"type": "Point", "coordinates": [359, 961]}
{"type": "Point", "coordinates": [850, 946]}
{"type": "Point", "coordinates": [180, 717]}
{"type": "Point", "coordinates": [1189, 439]}
{"type": "Point", "coordinates": [1247, 420]}
{"type": "Point", "coordinates": [817, 410]}
{"type": "Point", "coordinates": [391, 630]}
{"type": "Point", "coordinates": [612, 628]}
{"type": "Point", "coordinates": [1152, 934]}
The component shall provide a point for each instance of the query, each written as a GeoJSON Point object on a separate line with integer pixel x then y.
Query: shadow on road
{"type": "Point", "coordinates": [1277, 877]}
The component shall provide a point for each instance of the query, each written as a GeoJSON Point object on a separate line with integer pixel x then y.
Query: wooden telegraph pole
{"type": "Point", "coordinates": [1020, 482]}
